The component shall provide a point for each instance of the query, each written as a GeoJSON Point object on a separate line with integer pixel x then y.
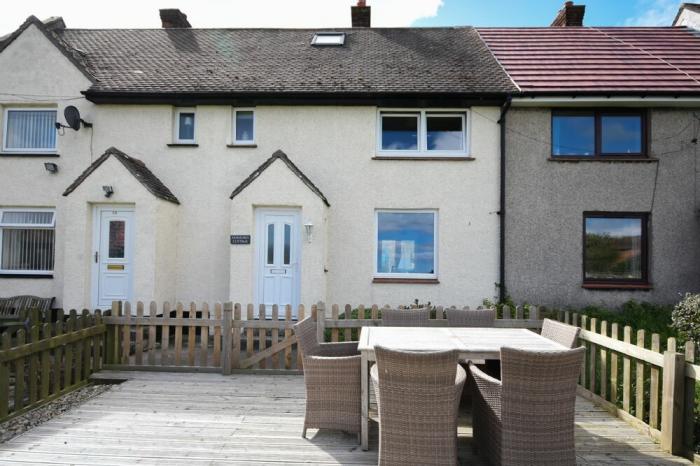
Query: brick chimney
{"type": "Point", "coordinates": [569, 15]}
{"type": "Point", "coordinates": [360, 14]}
{"type": "Point", "coordinates": [174, 18]}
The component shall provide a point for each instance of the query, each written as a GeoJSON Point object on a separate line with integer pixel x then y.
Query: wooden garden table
{"type": "Point", "coordinates": [472, 344]}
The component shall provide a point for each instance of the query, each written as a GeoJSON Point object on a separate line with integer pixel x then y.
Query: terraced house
{"type": "Point", "coordinates": [276, 166]}
{"type": "Point", "coordinates": [257, 165]}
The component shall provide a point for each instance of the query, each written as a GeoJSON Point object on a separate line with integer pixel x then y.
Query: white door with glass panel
{"type": "Point", "coordinates": [113, 256]}
{"type": "Point", "coordinates": [278, 251]}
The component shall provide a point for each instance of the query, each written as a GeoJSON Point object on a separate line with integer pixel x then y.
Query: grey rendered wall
{"type": "Point", "coordinates": [545, 201]}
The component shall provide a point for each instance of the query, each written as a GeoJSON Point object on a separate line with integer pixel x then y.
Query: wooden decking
{"type": "Point", "coordinates": [193, 419]}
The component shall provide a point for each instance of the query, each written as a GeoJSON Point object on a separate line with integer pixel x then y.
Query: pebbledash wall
{"type": "Point", "coordinates": [183, 251]}
{"type": "Point", "coordinates": [546, 200]}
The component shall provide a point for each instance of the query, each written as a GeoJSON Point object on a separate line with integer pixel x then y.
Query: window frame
{"type": "Point", "coordinates": [243, 142]}
{"type": "Point", "coordinates": [176, 125]}
{"type": "Point", "coordinates": [422, 115]}
{"type": "Point", "coordinates": [314, 39]}
{"type": "Point", "coordinates": [6, 120]}
{"type": "Point", "coordinates": [645, 243]}
{"type": "Point", "coordinates": [598, 115]}
{"type": "Point", "coordinates": [26, 226]}
{"type": "Point", "coordinates": [417, 276]}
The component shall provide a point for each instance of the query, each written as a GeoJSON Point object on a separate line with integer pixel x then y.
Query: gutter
{"type": "Point", "coordinates": [502, 211]}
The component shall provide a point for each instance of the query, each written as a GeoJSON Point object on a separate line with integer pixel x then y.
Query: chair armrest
{"type": "Point", "coordinates": [338, 349]}
{"type": "Point", "coordinates": [489, 388]}
{"type": "Point", "coordinates": [324, 370]}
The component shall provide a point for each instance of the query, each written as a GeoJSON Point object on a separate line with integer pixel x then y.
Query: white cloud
{"type": "Point", "coordinates": [216, 13]}
{"type": "Point", "coordinates": [653, 13]}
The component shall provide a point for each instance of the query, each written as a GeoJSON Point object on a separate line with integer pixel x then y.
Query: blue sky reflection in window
{"type": "Point", "coordinates": [406, 242]}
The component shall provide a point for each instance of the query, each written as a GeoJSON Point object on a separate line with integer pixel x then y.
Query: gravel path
{"type": "Point", "coordinates": [20, 424]}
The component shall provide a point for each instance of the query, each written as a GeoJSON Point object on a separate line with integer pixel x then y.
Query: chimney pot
{"type": "Point", "coordinates": [569, 15]}
{"type": "Point", "coordinates": [360, 14]}
{"type": "Point", "coordinates": [173, 18]}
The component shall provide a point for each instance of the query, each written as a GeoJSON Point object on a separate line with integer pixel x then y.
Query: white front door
{"type": "Point", "coordinates": [278, 251]}
{"type": "Point", "coordinates": [113, 256]}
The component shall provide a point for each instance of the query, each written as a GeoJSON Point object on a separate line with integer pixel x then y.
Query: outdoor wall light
{"type": "Point", "coordinates": [51, 167]}
{"type": "Point", "coordinates": [309, 227]}
{"type": "Point", "coordinates": [108, 191]}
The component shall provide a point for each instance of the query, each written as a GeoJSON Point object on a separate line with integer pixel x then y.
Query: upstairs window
{"type": "Point", "coordinates": [27, 241]}
{"type": "Point", "coordinates": [615, 247]}
{"type": "Point", "coordinates": [422, 133]}
{"type": "Point", "coordinates": [185, 126]}
{"type": "Point", "coordinates": [243, 126]}
{"type": "Point", "coordinates": [599, 134]}
{"type": "Point", "coordinates": [29, 130]}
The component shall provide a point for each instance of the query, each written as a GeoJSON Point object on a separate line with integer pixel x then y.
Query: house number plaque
{"type": "Point", "coordinates": [240, 239]}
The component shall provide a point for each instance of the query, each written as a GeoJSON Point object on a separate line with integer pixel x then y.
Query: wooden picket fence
{"type": "Point", "coordinates": [48, 360]}
{"type": "Point", "coordinates": [228, 337]}
{"type": "Point", "coordinates": [648, 384]}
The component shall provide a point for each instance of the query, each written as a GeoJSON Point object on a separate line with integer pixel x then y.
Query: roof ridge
{"type": "Point", "coordinates": [649, 53]}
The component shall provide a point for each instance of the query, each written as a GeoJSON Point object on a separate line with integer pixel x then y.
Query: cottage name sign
{"type": "Point", "coordinates": [240, 239]}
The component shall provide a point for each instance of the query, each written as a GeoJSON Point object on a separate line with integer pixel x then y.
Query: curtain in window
{"type": "Point", "coordinates": [31, 129]}
{"type": "Point", "coordinates": [28, 218]}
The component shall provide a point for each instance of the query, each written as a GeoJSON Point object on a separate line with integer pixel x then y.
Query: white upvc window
{"type": "Point", "coordinates": [406, 244]}
{"type": "Point", "coordinates": [29, 129]}
{"type": "Point", "coordinates": [421, 133]}
{"type": "Point", "coordinates": [184, 126]}
{"type": "Point", "coordinates": [243, 126]}
{"type": "Point", "coordinates": [27, 240]}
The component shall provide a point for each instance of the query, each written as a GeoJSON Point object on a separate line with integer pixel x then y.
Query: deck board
{"type": "Point", "coordinates": [193, 419]}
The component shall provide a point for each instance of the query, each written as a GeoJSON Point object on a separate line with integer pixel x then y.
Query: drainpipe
{"type": "Point", "coordinates": [502, 212]}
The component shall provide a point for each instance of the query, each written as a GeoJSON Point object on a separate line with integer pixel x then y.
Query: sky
{"type": "Point", "coordinates": [335, 13]}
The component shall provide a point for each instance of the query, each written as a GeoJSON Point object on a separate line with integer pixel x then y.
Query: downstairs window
{"type": "Point", "coordinates": [27, 241]}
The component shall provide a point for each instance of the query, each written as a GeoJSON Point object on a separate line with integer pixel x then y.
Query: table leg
{"type": "Point", "coordinates": [365, 403]}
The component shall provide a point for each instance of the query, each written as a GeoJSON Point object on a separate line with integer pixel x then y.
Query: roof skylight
{"type": "Point", "coordinates": [328, 38]}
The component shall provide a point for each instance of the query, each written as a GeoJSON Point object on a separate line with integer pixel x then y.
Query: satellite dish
{"type": "Point", "coordinates": [72, 115]}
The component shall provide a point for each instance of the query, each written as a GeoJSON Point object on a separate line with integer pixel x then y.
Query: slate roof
{"type": "Point", "coordinates": [629, 60]}
{"type": "Point", "coordinates": [136, 167]}
{"type": "Point", "coordinates": [372, 61]}
{"type": "Point", "coordinates": [283, 157]}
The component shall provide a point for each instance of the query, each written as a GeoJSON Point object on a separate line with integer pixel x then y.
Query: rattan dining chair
{"type": "Point", "coordinates": [332, 378]}
{"type": "Point", "coordinates": [470, 317]}
{"type": "Point", "coordinates": [527, 417]}
{"type": "Point", "coordinates": [564, 334]}
{"type": "Point", "coordinates": [405, 317]}
{"type": "Point", "coordinates": [418, 397]}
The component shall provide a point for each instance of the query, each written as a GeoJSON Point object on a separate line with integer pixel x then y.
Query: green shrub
{"type": "Point", "coordinates": [685, 318]}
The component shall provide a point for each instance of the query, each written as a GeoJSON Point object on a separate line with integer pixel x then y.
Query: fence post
{"type": "Point", "coordinates": [236, 338]}
{"type": "Point", "coordinates": [321, 322]}
{"type": "Point", "coordinates": [688, 411]}
{"type": "Point", "coordinates": [226, 337]}
{"type": "Point", "coordinates": [672, 402]}
{"type": "Point", "coordinates": [112, 332]}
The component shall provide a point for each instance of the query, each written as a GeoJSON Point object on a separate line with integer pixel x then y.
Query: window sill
{"type": "Point", "coordinates": [183, 144]}
{"type": "Point", "coordinates": [411, 281]}
{"type": "Point", "coordinates": [242, 146]}
{"type": "Point", "coordinates": [609, 159]}
{"type": "Point", "coordinates": [617, 286]}
{"type": "Point", "coordinates": [28, 154]}
{"type": "Point", "coordinates": [431, 158]}
{"type": "Point", "coordinates": [25, 275]}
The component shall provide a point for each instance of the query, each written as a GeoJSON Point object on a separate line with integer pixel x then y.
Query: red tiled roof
{"type": "Point", "coordinates": [598, 60]}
